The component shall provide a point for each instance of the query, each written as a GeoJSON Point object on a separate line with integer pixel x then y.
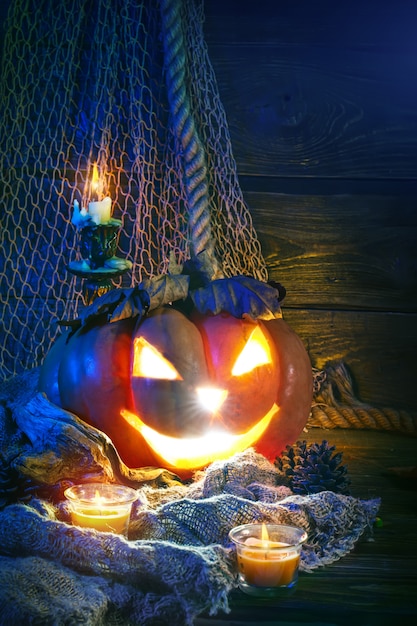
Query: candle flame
{"type": "Point", "coordinates": [98, 499]}
{"type": "Point", "coordinates": [94, 179]}
{"type": "Point", "coordinates": [265, 536]}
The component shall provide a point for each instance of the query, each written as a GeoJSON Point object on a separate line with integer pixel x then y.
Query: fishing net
{"type": "Point", "coordinates": [128, 85]}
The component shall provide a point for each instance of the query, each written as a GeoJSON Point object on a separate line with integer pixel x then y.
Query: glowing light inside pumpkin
{"type": "Point", "coordinates": [210, 398]}
{"type": "Point", "coordinates": [255, 353]}
{"type": "Point", "coordinates": [194, 452]}
{"type": "Point", "coordinates": [148, 362]}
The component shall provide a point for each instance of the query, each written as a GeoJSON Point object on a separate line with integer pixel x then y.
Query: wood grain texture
{"type": "Point", "coordinates": [375, 584]}
{"type": "Point", "coordinates": [349, 265]}
{"type": "Point", "coordinates": [317, 90]}
{"type": "Point", "coordinates": [340, 252]}
{"type": "Point", "coordinates": [360, 24]}
{"type": "Point", "coordinates": [378, 349]}
{"type": "Point", "coordinates": [322, 114]}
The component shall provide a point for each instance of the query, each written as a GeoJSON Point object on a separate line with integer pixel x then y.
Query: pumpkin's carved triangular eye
{"type": "Point", "coordinates": [148, 362]}
{"type": "Point", "coordinates": [256, 352]}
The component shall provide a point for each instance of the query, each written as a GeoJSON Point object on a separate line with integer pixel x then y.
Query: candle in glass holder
{"type": "Point", "coordinates": [101, 506]}
{"type": "Point", "coordinates": [268, 557]}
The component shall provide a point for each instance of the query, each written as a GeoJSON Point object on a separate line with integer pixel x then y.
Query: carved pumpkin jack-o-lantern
{"type": "Point", "coordinates": [181, 391]}
{"type": "Point", "coordinates": [202, 389]}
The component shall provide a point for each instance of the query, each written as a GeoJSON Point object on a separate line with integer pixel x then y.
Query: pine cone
{"type": "Point", "coordinates": [312, 468]}
{"type": "Point", "coordinates": [290, 459]}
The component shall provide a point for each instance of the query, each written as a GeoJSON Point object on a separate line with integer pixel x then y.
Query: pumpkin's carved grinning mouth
{"type": "Point", "coordinates": [195, 452]}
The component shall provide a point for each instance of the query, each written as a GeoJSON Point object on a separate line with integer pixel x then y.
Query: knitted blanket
{"type": "Point", "coordinates": [177, 562]}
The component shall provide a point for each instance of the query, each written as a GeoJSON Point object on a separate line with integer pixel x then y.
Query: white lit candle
{"type": "Point", "coordinates": [98, 210]}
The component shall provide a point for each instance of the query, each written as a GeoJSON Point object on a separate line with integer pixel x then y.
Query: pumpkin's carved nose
{"type": "Point", "coordinates": [211, 398]}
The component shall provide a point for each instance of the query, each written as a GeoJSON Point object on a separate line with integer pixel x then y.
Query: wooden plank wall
{"type": "Point", "coordinates": [321, 102]}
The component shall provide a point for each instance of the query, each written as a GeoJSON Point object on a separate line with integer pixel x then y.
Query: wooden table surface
{"type": "Point", "coordinates": [374, 585]}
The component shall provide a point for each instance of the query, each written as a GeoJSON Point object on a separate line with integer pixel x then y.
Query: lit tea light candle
{"type": "Point", "coordinates": [268, 557]}
{"type": "Point", "coordinates": [268, 567]}
{"type": "Point", "coordinates": [104, 507]}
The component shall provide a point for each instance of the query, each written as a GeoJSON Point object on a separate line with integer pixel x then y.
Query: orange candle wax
{"type": "Point", "coordinates": [268, 558]}
{"type": "Point", "coordinates": [265, 566]}
{"type": "Point", "coordinates": [112, 521]}
{"type": "Point", "coordinates": [105, 507]}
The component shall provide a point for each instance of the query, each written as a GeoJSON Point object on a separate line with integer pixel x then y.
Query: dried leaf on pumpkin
{"type": "Point", "coordinates": [165, 289]}
{"type": "Point", "coordinates": [239, 296]}
{"type": "Point", "coordinates": [117, 304]}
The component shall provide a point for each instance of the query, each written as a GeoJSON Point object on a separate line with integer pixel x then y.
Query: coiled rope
{"type": "Point", "coordinates": [336, 406]}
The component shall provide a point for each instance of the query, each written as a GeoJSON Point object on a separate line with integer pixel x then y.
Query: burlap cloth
{"type": "Point", "coordinates": [177, 562]}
